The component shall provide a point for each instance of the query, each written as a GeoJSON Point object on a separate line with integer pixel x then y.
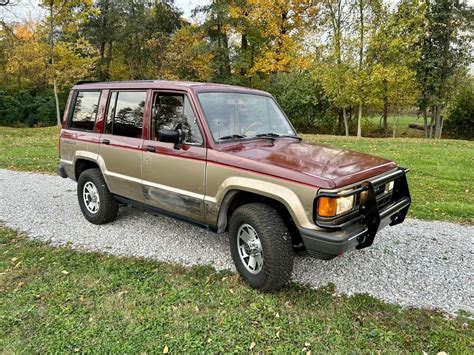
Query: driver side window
{"type": "Point", "coordinates": [174, 111]}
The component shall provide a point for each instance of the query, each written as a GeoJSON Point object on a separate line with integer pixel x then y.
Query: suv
{"type": "Point", "coordinates": [226, 158]}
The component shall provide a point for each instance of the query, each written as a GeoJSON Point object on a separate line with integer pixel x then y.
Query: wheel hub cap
{"type": "Point", "coordinates": [91, 197]}
{"type": "Point", "coordinates": [250, 248]}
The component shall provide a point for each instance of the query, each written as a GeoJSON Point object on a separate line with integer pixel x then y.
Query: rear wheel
{"type": "Point", "coordinates": [260, 245]}
{"type": "Point", "coordinates": [97, 204]}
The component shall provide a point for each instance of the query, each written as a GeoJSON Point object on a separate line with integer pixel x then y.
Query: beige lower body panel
{"type": "Point", "coordinates": [221, 180]}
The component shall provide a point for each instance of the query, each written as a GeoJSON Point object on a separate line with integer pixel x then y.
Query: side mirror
{"type": "Point", "coordinates": [170, 136]}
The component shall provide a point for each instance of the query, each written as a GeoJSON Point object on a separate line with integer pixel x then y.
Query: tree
{"type": "Point", "coordinates": [187, 56]}
{"type": "Point", "coordinates": [391, 52]}
{"type": "Point", "coordinates": [217, 25]}
{"type": "Point", "coordinates": [445, 49]}
{"type": "Point", "coordinates": [334, 72]}
{"type": "Point", "coordinates": [62, 23]}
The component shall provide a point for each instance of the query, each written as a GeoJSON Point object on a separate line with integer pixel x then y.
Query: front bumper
{"type": "Point", "coordinates": [359, 232]}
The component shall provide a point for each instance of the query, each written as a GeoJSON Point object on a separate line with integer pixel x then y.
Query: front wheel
{"type": "Point", "coordinates": [261, 248]}
{"type": "Point", "coordinates": [97, 204]}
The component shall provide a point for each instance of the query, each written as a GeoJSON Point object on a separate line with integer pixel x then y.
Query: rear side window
{"type": "Point", "coordinates": [85, 110]}
{"type": "Point", "coordinates": [125, 113]}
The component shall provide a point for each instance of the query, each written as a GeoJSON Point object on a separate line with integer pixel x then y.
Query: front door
{"type": "Point", "coordinates": [122, 142]}
{"type": "Point", "coordinates": [173, 177]}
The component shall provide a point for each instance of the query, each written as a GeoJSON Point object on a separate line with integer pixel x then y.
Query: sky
{"type": "Point", "coordinates": [25, 9]}
{"type": "Point", "coordinates": [188, 5]}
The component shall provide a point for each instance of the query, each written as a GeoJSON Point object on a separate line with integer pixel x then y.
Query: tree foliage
{"type": "Point", "coordinates": [328, 62]}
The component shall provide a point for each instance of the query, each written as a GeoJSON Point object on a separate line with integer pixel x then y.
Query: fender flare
{"type": "Point", "coordinates": [233, 185]}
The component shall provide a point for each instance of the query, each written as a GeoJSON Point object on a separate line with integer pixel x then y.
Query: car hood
{"type": "Point", "coordinates": [316, 164]}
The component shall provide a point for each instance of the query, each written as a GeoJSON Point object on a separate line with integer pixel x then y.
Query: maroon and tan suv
{"type": "Point", "coordinates": [226, 158]}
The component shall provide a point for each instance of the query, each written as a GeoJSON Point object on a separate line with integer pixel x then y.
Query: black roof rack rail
{"type": "Point", "coordinates": [87, 81]}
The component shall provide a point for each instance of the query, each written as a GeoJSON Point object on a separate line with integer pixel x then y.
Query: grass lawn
{"type": "Point", "coordinates": [441, 177]}
{"type": "Point", "coordinates": [59, 300]}
{"type": "Point", "coordinates": [29, 149]}
{"type": "Point", "coordinates": [371, 126]}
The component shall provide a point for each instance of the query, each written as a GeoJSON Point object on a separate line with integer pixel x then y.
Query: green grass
{"type": "Point", "coordinates": [441, 178]}
{"type": "Point", "coordinates": [29, 149]}
{"type": "Point", "coordinates": [60, 300]}
{"type": "Point", "coordinates": [371, 126]}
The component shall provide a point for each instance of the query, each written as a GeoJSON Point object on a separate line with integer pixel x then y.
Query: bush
{"type": "Point", "coordinates": [301, 97]}
{"type": "Point", "coordinates": [29, 108]}
{"type": "Point", "coordinates": [460, 120]}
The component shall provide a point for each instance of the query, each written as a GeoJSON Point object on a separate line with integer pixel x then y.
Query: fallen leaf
{"type": "Point", "coordinates": [165, 349]}
{"type": "Point", "coordinates": [307, 344]}
{"type": "Point", "coordinates": [14, 259]}
{"type": "Point", "coordinates": [252, 345]}
{"type": "Point", "coordinates": [65, 272]}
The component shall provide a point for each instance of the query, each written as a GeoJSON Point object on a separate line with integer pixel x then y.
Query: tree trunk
{"type": "Point", "coordinates": [58, 112]}
{"type": "Point", "coordinates": [394, 128]}
{"type": "Point", "coordinates": [438, 122]}
{"type": "Point", "coordinates": [441, 127]}
{"type": "Point", "coordinates": [100, 74]}
{"type": "Point", "coordinates": [385, 106]}
{"type": "Point", "coordinates": [340, 121]}
{"type": "Point", "coordinates": [425, 121]}
{"type": "Point", "coordinates": [51, 48]}
{"type": "Point", "coordinates": [431, 124]}
{"type": "Point", "coordinates": [361, 61]}
{"type": "Point", "coordinates": [244, 48]}
{"type": "Point", "coordinates": [359, 121]}
{"type": "Point", "coordinates": [108, 61]}
{"type": "Point", "coordinates": [346, 125]}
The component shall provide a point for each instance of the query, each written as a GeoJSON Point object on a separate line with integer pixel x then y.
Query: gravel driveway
{"type": "Point", "coordinates": [418, 263]}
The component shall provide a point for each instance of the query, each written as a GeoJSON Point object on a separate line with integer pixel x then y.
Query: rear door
{"type": "Point", "coordinates": [79, 134]}
{"type": "Point", "coordinates": [174, 177]}
{"type": "Point", "coordinates": [122, 141]}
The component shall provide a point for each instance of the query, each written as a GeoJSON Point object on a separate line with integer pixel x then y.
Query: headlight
{"type": "Point", "coordinates": [333, 206]}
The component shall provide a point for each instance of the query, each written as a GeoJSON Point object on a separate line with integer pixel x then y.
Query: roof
{"type": "Point", "coordinates": [164, 84]}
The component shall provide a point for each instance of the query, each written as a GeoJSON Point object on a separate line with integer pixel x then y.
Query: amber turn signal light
{"type": "Point", "coordinates": [327, 207]}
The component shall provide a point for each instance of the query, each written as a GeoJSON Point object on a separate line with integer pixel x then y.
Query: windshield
{"type": "Point", "coordinates": [238, 115]}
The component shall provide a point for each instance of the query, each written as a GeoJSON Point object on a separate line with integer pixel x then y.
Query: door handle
{"type": "Point", "coordinates": [105, 141]}
{"type": "Point", "coordinates": [151, 148]}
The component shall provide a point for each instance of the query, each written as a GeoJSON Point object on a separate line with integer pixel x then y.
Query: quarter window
{"type": "Point", "coordinates": [125, 113]}
{"type": "Point", "coordinates": [85, 110]}
{"type": "Point", "coordinates": [174, 111]}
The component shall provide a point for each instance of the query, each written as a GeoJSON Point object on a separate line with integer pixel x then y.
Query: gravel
{"type": "Point", "coordinates": [418, 263]}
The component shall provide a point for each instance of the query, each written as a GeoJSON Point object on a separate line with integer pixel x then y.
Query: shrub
{"type": "Point", "coordinates": [460, 120]}
{"type": "Point", "coordinates": [29, 108]}
{"type": "Point", "coordinates": [300, 96]}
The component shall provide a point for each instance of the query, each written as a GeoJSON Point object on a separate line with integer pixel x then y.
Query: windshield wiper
{"type": "Point", "coordinates": [231, 136]}
{"type": "Point", "coordinates": [276, 135]}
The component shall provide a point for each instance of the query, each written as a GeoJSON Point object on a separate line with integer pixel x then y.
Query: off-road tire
{"type": "Point", "coordinates": [276, 246]}
{"type": "Point", "coordinates": [109, 206]}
